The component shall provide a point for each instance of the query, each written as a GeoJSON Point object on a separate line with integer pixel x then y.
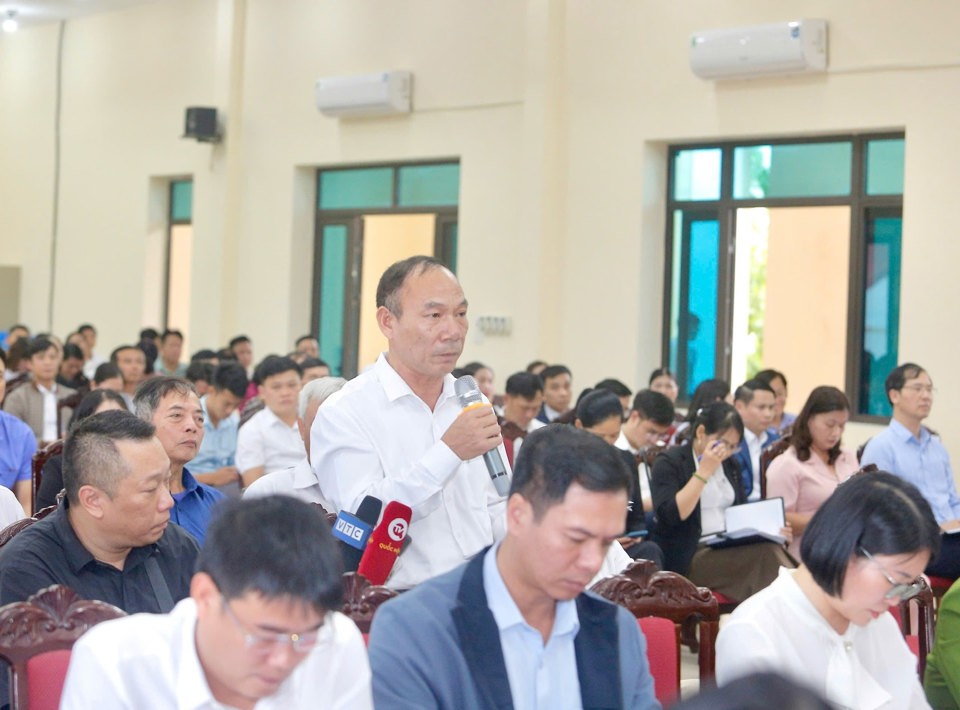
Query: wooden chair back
{"type": "Point", "coordinates": [766, 456]}
{"type": "Point", "coordinates": [647, 592]}
{"type": "Point", "coordinates": [40, 459]}
{"type": "Point", "coordinates": [36, 637]}
{"type": "Point", "coordinates": [920, 640]}
{"type": "Point", "coordinates": [7, 533]}
{"type": "Point", "coordinates": [362, 599]}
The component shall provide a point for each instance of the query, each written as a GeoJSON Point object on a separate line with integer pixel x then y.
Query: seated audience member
{"type": "Point", "coordinates": [51, 482]}
{"type": "Point", "coordinates": [132, 363]}
{"type": "Point", "coordinates": [70, 373]}
{"type": "Point", "coordinates": [110, 537]}
{"type": "Point", "coordinates": [536, 367]}
{"type": "Point", "coordinates": [300, 480]}
{"type": "Point", "coordinates": [651, 416]}
{"type": "Point", "coordinates": [241, 347]}
{"type": "Point", "coordinates": [808, 473]}
{"type": "Point", "coordinates": [260, 628]}
{"type": "Point", "coordinates": [38, 402]}
{"type": "Point", "coordinates": [483, 374]}
{"type": "Point", "coordinates": [707, 392]}
{"type": "Point", "coordinates": [557, 392]}
{"type": "Point", "coordinates": [270, 441]}
{"type": "Point", "coordinates": [754, 400]}
{"type": "Point", "coordinates": [619, 389]}
{"type": "Point", "coordinates": [17, 331]}
{"type": "Point", "coordinates": [215, 463]}
{"type": "Point", "coordinates": [199, 374]}
{"type": "Point", "coordinates": [778, 383]}
{"type": "Point", "coordinates": [171, 347]}
{"type": "Point", "coordinates": [18, 364]}
{"type": "Point", "coordinates": [941, 681]}
{"type": "Point", "coordinates": [313, 369]}
{"type": "Point", "coordinates": [521, 404]}
{"type": "Point", "coordinates": [910, 450]}
{"type": "Point", "coordinates": [307, 346]}
{"type": "Point", "coordinates": [93, 358]}
{"type": "Point", "coordinates": [692, 486]}
{"type": "Point", "coordinates": [107, 376]}
{"type": "Point", "coordinates": [825, 625]}
{"type": "Point", "coordinates": [17, 447]}
{"type": "Point", "coordinates": [600, 412]}
{"type": "Point", "coordinates": [514, 627]}
{"type": "Point", "coordinates": [663, 381]}
{"type": "Point", "coordinates": [172, 406]}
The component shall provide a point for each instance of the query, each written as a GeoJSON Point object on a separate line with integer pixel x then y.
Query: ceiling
{"type": "Point", "coordinates": [37, 12]}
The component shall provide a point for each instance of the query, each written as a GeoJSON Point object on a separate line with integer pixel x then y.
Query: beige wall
{"type": "Point", "coordinates": [559, 111]}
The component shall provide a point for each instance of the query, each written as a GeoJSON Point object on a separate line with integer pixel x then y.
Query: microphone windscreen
{"type": "Point", "coordinates": [467, 391]}
{"type": "Point", "coordinates": [353, 531]}
{"type": "Point", "coordinates": [385, 543]}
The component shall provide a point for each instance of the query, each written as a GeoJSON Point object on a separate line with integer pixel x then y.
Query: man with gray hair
{"type": "Point", "coordinates": [300, 480]}
{"type": "Point", "coordinates": [171, 404]}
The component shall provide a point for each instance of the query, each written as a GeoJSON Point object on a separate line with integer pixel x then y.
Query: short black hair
{"type": "Point", "coordinates": [535, 364]}
{"type": "Point", "coordinates": [309, 362]}
{"type": "Point", "coordinates": [615, 386]}
{"type": "Point", "coordinates": [551, 371]}
{"type": "Point", "coordinates": [746, 391]}
{"type": "Point", "coordinates": [120, 348]}
{"type": "Point", "coordinates": [91, 400]}
{"type": "Point", "coordinates": [556, 456]}
{"type": "Point", "coordinates": [232, 377]}
{"type": "Point", "coordinates": [105, 371]}
{"type": "Point", "coordinates": [199, 372]}
{"type": "Point", "coordinates": [899, 375]}
{"type": "Point", "coordinates": [523, 384]}
{"type": "Point", "coordinates": [40, 345]}
{"type": "Point", "coordinates": [204, 354]}
{"type": "Point", "coordinates": [392, 280]}
{"type": "Point", "coordinates": [90, 454]}
{"type": "Point", "coordinates": [707, 392]}
{"type": "Point", "coordinates": [598, 406]}
{"type": "Point", "coordinates": [149, 334]}
{"type": "Point", "coordinates": [72, 352]}
{"type": "Point", "coordinates": [769, 375]}
{"type": "Point", "coordinates": [85, 326]}
{"type": "Point", "coordinates": [877, 512]}
{"type": "Point", "coordinates": [277, 546]}
{"type": "Point", "coordinates": [237, 340]}
{"type": "Point", "coordinates": [716, 418]}
{"type": "Point", "coordinates": [302, 338]}
{"type": "Point", "coordinates": [661, 372]}
{"type": "Point", "coordinates": [170, 333]}
{"type": "Point", "coordinates": [274, 365]}
{"type": "Point", "coordinates": [653, 406]}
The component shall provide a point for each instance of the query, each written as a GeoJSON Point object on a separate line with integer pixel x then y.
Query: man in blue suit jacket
{"type": "Point", "coordinates": [754, 400]}
{"type": "Point", "coordinates": [514, 626]}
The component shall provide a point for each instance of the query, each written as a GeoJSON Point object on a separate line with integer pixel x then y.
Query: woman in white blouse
{"type": "Point", "coordinates": [825, 624]}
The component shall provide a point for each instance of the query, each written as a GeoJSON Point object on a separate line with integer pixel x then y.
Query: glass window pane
{"type": "Point", "coordinates": [693, 306]}
{"type": "Point", "coordinates": [181, 201]}
{"type": "Point", "coordinates": [356, 188]}
{"type": "Point", "coordinates": [885, 167]}
{"type": "Point", "coordinates": [881, 310]}
{"type": "Point", "coordinates": [333, 270]}
{"type": "Point", "coordinates": [428, 185]}
{"type": "Point", "coordinates": [696, 174]}
{"type": "Point", "coordinates": [792, 170]}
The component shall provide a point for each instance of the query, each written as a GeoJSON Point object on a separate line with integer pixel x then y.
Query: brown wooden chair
{"type": "Point", "coordinates": [362, 599]}
{"type": "Point", "coordinates": [40, 459]}
{"type": "Point", "coordinates": [7, 533]}
{"type": "Point", "coordinates": [766, 456]}
{"type": "Point", "coordinates": [646, 592]}
{"type": "Point", "coordinates": [921, 641]}
{"type": "Point", "coordinates": [36, 637]}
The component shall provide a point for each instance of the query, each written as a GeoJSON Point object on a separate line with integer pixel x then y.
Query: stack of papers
{"type": "Point", "coordinates": [748, 523]}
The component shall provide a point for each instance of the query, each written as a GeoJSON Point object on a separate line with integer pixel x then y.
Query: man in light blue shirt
{"type": "Point", "coordinates": [908, 449]}
{"type": "Point", "coordinates": [215, 463]}
{"type": "Point", "coordinates": [514, 626]}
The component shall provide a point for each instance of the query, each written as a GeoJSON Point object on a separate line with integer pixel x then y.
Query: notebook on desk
{"type": "Point", "coordinates": [748, 523]}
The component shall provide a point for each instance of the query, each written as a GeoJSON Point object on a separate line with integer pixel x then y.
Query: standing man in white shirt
{"type": "Point", "coordinates": [754, 401]}
{"type": "Point", "coordinates": [397, 431]}
{"type": "Point", "coordinates": [260, 628]}
{"type": "Point", "coordinates": [270, 441]}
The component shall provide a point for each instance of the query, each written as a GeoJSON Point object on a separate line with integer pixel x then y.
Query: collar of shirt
{"type": "Point", "coordinates": [396, 387]}
{"type": "Point", "coordinates": [753, 440]}
{"type": "Point", "coordinates": [906, 435]}
{"type": "Point", "coordinates": [193, 691]}
{"type": "Point", "coordinates": [271, 419]}
{"type": "Point", "coordinates": [505, 610]}
{"type": "Point", "coordinates": [190, 485]}
{"type": "Point", "coordinates": [77, 555]}
{"type": "Point", "coordinates": [623, 442]}
{"type": "Point", "coordinates": [303, 475]}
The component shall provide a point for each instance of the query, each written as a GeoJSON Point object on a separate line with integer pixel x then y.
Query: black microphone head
{"type": "Point", "coordinates": [468, 391]}
{"type": "Point", "coordinates": [369, 510]}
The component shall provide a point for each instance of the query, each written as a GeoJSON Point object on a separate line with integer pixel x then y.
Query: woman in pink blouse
{"type": "Point", "coordinates": [815, 464]}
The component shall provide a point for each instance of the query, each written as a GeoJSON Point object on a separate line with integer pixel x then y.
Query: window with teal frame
{"type": "Point", "coordinates": [181, 201]}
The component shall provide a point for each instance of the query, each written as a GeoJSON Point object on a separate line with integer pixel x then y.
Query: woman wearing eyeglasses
{"type": "Point", "coordinates": [825, 624]}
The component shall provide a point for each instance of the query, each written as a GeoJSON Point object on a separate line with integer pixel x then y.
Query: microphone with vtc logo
{"type": "Point", "coordinates": [353, 531]}
{"type": "Point", "coordinates": [385, 543]}
{"type": "Point", "coordinates": [468, 394]}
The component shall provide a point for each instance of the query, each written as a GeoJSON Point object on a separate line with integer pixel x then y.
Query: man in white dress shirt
{"type": "Point", "coordinates": [397, 431]}
{"type": "Point", "coordinates": [270, 441]}
{"type": "Point", "coordinates": [300, 480]}
{"type": "Point", "coordinates": [259, 628]}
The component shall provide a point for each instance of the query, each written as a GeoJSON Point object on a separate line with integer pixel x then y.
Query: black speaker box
{"type": "Point", "coordinates": [201, 124]}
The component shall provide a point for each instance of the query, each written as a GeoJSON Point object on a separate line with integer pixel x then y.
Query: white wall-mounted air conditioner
{"type": "Point", "coordinates": [797, 47]}
{"type": "Point", "coordinates": [366, 95]}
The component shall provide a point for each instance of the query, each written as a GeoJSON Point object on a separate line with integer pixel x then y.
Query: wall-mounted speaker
{"type": "Point", "coordinates": [201, 124]}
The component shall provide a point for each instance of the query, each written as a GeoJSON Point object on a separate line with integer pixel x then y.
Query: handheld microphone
{"type": "Point", "coordinates": [385, 543]}
{"type": "Point", "coordinates": [353, 531]}
{"type": "Point", "coordinates": [468, 394]}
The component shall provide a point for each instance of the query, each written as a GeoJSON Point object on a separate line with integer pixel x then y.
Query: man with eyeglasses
{"type": "Point", "coordinates": [258, 630]}
{"type": "Point", "coordinates": [910, 450]}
